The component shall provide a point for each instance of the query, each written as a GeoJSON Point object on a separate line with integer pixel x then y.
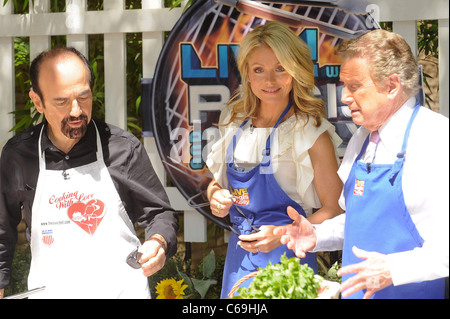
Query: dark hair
{"type": "Point", "coordinates": [37, 61]}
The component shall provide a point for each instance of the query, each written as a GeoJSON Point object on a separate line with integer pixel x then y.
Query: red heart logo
{"type": "Point", "coordinates": [88, 216]}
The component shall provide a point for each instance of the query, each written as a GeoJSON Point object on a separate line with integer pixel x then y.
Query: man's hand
{"type": "Point", "coordinates": [300, 236]}
{"type": "Point", "coordinates": [372, 274]}
{"type": "Point", "coordinates": [2, 291]}
{"type": "Point", "coordinates": [153, 255]}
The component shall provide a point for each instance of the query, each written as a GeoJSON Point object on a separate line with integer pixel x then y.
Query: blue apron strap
{"type": "Point", "coordinates": [363, 148]}
{"type": "Point", "coordinates": [266, 152]}
{"type": "Point", "coordinates": [408, 129]}
{"type": "Point", "coordinates": [401, 156]}
{"type": "Point", "coordinates": [229, 156]}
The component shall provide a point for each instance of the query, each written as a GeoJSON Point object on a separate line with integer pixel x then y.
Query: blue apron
{"type": "Point", "coordinates": [377, 220]}
{"type": "Point", "coordinates": [263, 202]}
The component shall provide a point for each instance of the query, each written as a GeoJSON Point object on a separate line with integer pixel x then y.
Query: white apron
{"type": "Point", "coordinates": [81, 235]}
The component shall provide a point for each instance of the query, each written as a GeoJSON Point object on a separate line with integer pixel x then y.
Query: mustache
{"type": "Point", "coordinates": [74, 133]}
{"type": "Point", "coordinates": [73, 118]}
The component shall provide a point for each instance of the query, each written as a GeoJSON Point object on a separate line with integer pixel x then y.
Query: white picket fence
{"type": "Point", "coordinates": [152, 20]}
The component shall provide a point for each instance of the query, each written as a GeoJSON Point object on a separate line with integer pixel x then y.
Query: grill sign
{"type": "Point", "coordinates": [196, 75]}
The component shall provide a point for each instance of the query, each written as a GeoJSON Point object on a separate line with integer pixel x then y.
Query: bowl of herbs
{"type": "Point", "coordinates": [286, 280]}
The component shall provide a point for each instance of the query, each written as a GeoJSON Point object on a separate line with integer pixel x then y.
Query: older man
{"type": "Point", "coordinates": [81, 184]}
{"type": "Point", "coordinates": [394, 234]}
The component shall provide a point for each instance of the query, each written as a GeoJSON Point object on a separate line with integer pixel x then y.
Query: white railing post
{"type": "Point", "coordinates": [194, 223]}
{"type": "Point", "coordinates": [115, 72]}
{"type": "Point", "coordinates": [7, 80]}
{"type": "Point", "coordinates": [39, 43]}
{"type": "Point", "coordinates": [152, 43]}
{"type": "Point", "coordinates": [403, 13]}
{"type": "Point", "coordinates": [408, 29]}
{"type": "Point", "coordinates": [73, 22]}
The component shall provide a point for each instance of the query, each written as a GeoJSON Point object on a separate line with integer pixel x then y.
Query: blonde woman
{"type": "Point", "coordinates": [276, 150]}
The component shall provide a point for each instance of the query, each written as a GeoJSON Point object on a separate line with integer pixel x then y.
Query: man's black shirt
{"type": "Point", "coordinates": [138, 186]}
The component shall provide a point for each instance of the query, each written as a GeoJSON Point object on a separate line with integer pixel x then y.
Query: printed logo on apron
{"type": "Point", "coordinates": [82, 209]}
{"type": "Point", "coordinates": [359, 188]}
{"type": "Point", "coordinates": [88, 216]}
{"type": "Point", "coordinates": [240, 196]}
{"type": "Point", "coordinates": [47, 237]}
{"type": "Point", "coordinates": [77, 224]}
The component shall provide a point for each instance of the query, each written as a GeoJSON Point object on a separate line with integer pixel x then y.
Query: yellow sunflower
{"type": "Point", "coordinates": [170, 289]}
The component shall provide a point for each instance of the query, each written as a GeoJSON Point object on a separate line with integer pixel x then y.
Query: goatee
{"type": "Point", "coordinates": [74, 132]}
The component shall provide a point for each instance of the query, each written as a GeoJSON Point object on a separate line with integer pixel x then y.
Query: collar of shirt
{"type": "Point", "coordinates": [391, 134]}
{"type": "Point", "coordinates": [393, 131]}
{"type": "Point", "coordinates": [82, 153]}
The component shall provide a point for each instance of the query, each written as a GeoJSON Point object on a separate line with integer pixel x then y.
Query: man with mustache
{"type": "Point", "coordinates": [71, 153]}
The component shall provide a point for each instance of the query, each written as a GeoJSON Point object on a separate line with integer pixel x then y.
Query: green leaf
{"type": "Point", "coordinates": [22, 123]}
{"type": "Point", "coordinates": [134, 126]}
{"type": "Point", "coordinates": [202, 286]}
{"type": "Point", "coordinates": [209, 264]}
{"type": "Point", "coordinates": [288, 279]}
{"type": "Point", "coordinates": [187, 280]}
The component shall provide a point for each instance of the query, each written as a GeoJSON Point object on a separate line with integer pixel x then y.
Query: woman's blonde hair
{"type": "Point", "coordinates": [295, 57]}
{"type": "Point", "coordinates": [387, 53]}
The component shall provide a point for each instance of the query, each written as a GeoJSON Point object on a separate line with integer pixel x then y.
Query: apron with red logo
{"type": "Point", "coordinates": [81, 235]}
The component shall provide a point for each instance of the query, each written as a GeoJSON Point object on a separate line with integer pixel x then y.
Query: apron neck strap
{"type": "Point", "coordinates": [408, 129]}
{"type": "Point", "coordinates": [99, 152]}
{"type": "Point", "coordinates": [286, 110]}
{"type": "Point", "coordinates": [41, 153]}
{"type": "Point", "coordinates": [270, 138]}
{"type": "Point", "coordinates": [363, 148]}
{"type": "Point", "coordinates": [398, 164]}
{"type": "Point", "coordinates": [402, 153]}
{"type": "Point", "coordinates": [229, 157]}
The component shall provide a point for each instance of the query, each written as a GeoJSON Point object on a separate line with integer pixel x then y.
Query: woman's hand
{"type": "Point", "coordinates": [262, 241]}
{"type": "Point", "coordinates": [220, 203]}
